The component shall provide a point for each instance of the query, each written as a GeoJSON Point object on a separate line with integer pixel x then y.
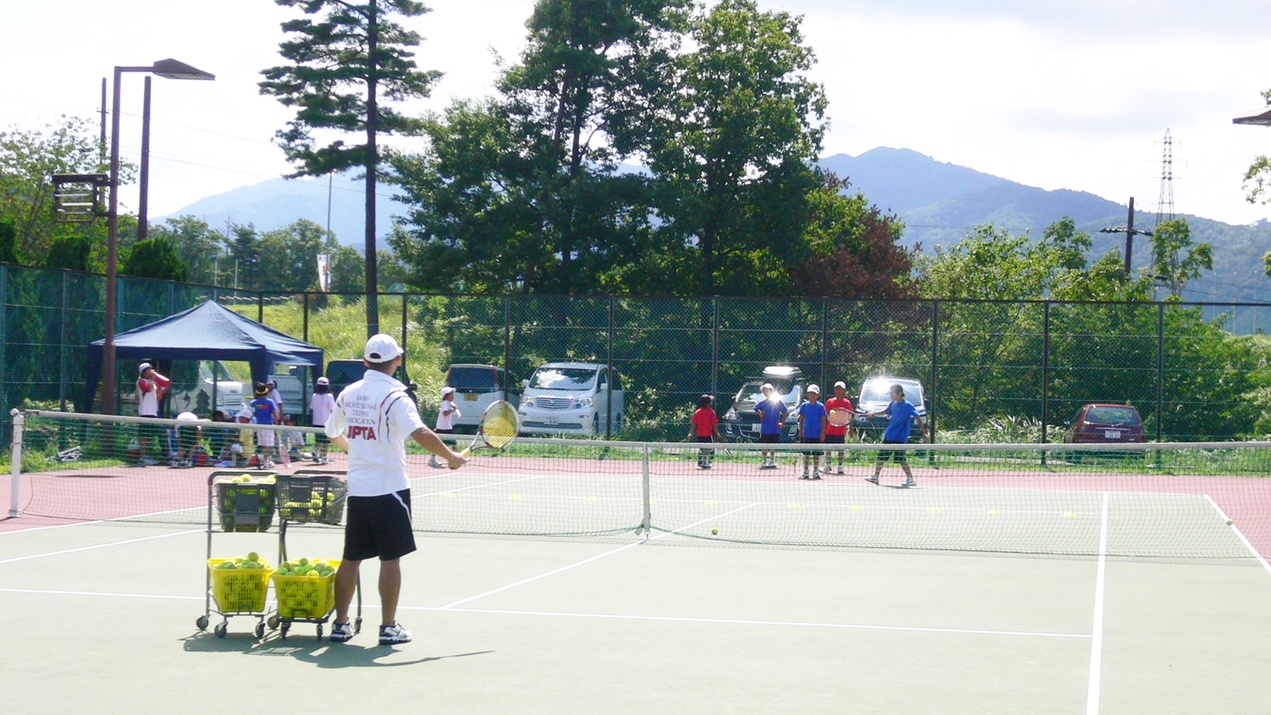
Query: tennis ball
{"type": "Point", "coordinates": [714, 531]}
{"type": "Point", "coordinates": [1230, 522]}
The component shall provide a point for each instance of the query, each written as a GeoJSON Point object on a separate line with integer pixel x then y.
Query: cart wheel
{"type": "Point", "coordinates": [260, 630]}
{"type": "Point", "coordinates": [282, 632]}
{"type": "Point", "coordinates": [319, 631]}
{"type": "Point", "coordinates": [273, 623]}
{"type": "Point", "coordinates": [357, 625]}
{"type": "Point", "coordinates": [221, 629]}
{"type": "Point", "coordinates": [202, 623]}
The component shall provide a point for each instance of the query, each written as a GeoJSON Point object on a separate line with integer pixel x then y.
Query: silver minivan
{"type": "Point", "coordinates": [572, 398]}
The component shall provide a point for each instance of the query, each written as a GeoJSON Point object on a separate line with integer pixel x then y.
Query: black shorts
{"type": "Point", "coordinates": [379, 527]}
{"type": "Point", "coordinates": [708, 438]}
{"type": "Point", "coordinates": [769, 438]}
{"type": "Point", "coordinates": [812, 440]}
{"type": "Point", "coordinates": [896, 455]}
{"type": "Point", "coordinates": [836, 439]}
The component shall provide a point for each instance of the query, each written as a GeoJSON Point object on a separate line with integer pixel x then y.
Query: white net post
{"type": "Point", "coordinates": [648, 511]}
{"type": "Point", "coordinates": [16, 474]}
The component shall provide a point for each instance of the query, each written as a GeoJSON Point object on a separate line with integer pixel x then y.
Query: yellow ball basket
{"type": "Point", "coordinates": [239, 590]}
{"type": "Point", "coordinates": [305, 597]}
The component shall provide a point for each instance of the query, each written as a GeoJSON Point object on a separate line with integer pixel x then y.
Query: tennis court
{"type": "Point", "coordinates": [590, 582]}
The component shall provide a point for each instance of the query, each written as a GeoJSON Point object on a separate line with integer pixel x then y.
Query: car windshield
{"type": "Point", "coordinates": [473, 378]}
{"type": "Point", "coordinates": [880, 391]}
{"type": "Point", "coordinates": [218, 370]}
{"type": "Point", "coordinates": [563, 378]}
{"type": "Point", "coordinates": [752, 391]}
{"type": "Point", "coordinates": [1108, 415]}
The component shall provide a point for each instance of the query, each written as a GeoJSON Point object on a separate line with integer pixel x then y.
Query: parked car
{"type": "Point", "coordinates": [1103, 422]}
{"type": "Point", "coordinates": [343, 373]}
{"type": "Point", "coordinates": [875, 394]}
{"type": "Point", "coordinates": [477, 387]}
{"type": "Point", "coordinates": [741, 424]}
{"type": "Point", "coordinates": [572, 398]}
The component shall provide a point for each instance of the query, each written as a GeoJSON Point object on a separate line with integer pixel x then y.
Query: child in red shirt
{"type": "Point", "coordinates": [705, 426]}
{"type": "Point", "coordinates": [837, 434]}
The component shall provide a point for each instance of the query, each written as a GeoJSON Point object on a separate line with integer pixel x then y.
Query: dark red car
{"type": "Point", "coordinates": [1103, 423]}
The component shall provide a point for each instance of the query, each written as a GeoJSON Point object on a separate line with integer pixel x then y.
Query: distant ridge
{"type": "Point", "coordinates": [938, 202]}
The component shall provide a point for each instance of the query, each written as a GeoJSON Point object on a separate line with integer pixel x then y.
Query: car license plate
{"type": "Point", "coordinates": [756, 428]}
{"type": "Point", "coordinates": [1111, 434]}
{"type": "Point", "coordinates": [549, 420]}
{"type": "Point", "coordinates": [469, 397]}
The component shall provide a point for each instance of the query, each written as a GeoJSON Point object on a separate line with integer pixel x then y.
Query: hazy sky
{"type": "Point", "coordinates": [1074, 94]}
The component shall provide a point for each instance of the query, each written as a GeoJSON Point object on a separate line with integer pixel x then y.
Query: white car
{"type": "Point", "coordinates": [572, 398]}
{"type": "Point", "coordinates": [476, 388]}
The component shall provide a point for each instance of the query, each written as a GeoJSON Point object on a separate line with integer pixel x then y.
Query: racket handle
{"type": "Point", "coordinates": [466, 453]}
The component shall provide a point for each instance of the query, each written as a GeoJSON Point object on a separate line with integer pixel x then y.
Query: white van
{"type": "Point", "coordinates": [476, 388]}
{"type": "Point", "coordinates": [572, 398]}
{"type": "Point", "coordinates": [194, 382]}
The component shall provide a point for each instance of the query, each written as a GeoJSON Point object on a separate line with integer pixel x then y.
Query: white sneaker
{"type": "Point", "coordinates": [841, 469]}
{"type": "Point", "coordinates": [394, 634]}
{"type": "Point", "coordinates": [269, 464]}
{"type": "Point", "coordinates": [909, 483]}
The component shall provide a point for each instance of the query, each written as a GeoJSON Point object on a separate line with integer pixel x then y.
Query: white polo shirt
{"type": "Point", "coordinates": [377, 417]}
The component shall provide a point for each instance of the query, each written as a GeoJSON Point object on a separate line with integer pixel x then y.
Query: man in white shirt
{"type": "Point", "coordinates": [320, 406]}
{"type": "Point", "coordinates": [372, 419]}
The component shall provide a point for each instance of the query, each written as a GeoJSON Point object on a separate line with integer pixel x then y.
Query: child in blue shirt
{"type": "Point", "coordinates": [265, 412]}
{"type": "Point", "coordinates": [812, 422]}
{"type": "Point", "coordinates": [902, 416]}
{"type": "Point", "coordinates": [772, 419]}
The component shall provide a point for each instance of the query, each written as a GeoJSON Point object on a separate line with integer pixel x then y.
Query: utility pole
{"type": "Point", "coordinates": [1130, 233]}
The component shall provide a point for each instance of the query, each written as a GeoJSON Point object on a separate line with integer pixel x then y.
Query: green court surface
{"type": "Point", "coordinates": [99, 617]}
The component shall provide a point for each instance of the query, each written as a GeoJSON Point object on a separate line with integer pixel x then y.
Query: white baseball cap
{"type": "Point", "coordinates": [814, 388]}
{"type": "Point", "coordinates": [382, 348]}
{"type": "Point", "coordinates": [841, 384]}
{"type": "Point", "coordinates": [767, 386]}
{"type": "Point", "coordinates": [244, 413]}
{"type": "Point", "coordinates": [323, 381]}
{"type": "Point", "coordinates": [141, 369]}
{"type": "Point", "coordinates": [447, 391]}
{"type": "Point", "coordinates": [187, 417]}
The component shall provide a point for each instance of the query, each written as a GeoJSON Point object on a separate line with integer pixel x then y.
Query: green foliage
{"type": "Point", "coordinates": [1171, 266]}
{"type": "Point", "coordinates": [71, 252]}
{"type": "Point", "coordinates": [154, 258]}
{"type": "Point", "coordinates": [8, 242]}
{"type": "Point", "coordinates": [28, 161]}
{"type": "Point", "coordinates": [201, 248]}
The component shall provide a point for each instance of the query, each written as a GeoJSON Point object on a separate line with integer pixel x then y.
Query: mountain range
{"type": "Point", "coordinates": [938, 203]}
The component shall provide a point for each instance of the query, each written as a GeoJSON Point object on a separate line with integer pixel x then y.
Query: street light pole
{"type": "Point", "coordinates": [170, 69]}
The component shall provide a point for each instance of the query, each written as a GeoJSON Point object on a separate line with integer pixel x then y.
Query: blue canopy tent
{"type": "Point", "coordinates": [207, 332]}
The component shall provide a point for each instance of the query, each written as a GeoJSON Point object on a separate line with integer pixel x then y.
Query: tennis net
{"type": "Point", "coordinates": [1179, 500]}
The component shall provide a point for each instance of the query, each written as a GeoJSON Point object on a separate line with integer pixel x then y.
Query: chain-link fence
{"type": "Point", "coordinates": [992, 371]}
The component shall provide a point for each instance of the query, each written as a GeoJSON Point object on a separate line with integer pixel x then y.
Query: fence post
{"type": "Point", "coordinates": [16, 467]}
{"type": "Point", "coordinates": [933, 390]}
{"type": "Point", "coordinates": [715, 346]}
{"type": "Point", "coordinates": [1160, 368]}
{"type": "Point", "coordinates": [1045, 373]}
{"type": "Point", "coordinates": [62, 339]}
{"type": "Point", "coordinates": [609, 385]}
{"type": "Point", "coordinates": [507, 346]}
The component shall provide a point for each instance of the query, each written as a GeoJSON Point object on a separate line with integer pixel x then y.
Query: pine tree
{"type": "Point", "coordinates": [343, 58]}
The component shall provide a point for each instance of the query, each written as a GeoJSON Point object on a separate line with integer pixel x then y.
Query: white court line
{"type": "Point", "coordinates": [1096, 630]}
{"type": "Point", "coordinates": [597, 557]}
{"type": "Point", "coordinates": [101, 546]}
{"type": "Point", "coordinates": [1239, 534]}
{"type": "Point", "coordinates": [608, 616]}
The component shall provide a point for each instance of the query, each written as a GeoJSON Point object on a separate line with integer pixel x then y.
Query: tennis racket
{"type": "Point", "coordinates": [498, 428]}
{"type": "Point", "coordinates": [840, 417]}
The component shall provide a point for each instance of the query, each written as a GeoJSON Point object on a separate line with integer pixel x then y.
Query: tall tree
{"type": "Point", "coordinates": [1175, 260]}
{"type": "Point", "coordinates": [244, 258]}
{"type": "Point", "coordinates": [343, 58]}
{"type": "Point", "coordinates": [733, 140]}
{"type": "Point", "coordinates": [289, 256]}
{"type": "Point", "coordinates": [524, 191]}
{"type": "Point", "coordinates": [852, 249]}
